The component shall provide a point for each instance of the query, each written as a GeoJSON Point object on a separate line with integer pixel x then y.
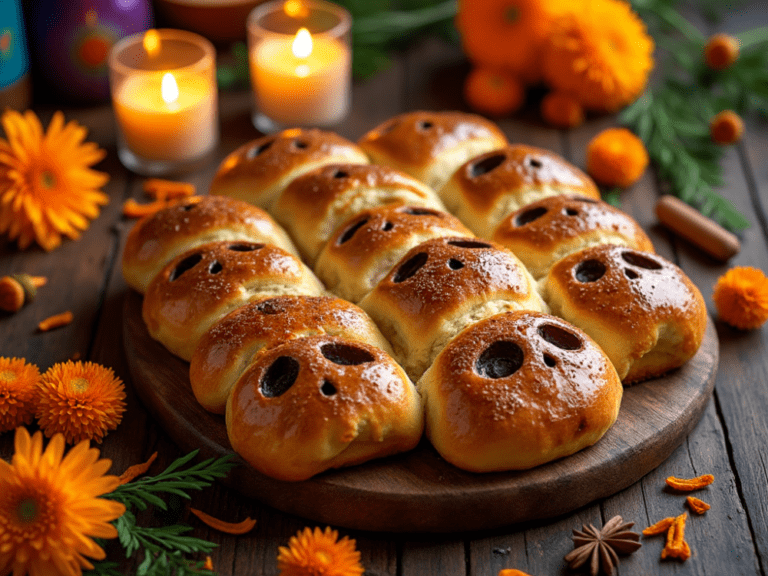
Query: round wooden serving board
{"type": "Point", "coordinates": [418, 491]}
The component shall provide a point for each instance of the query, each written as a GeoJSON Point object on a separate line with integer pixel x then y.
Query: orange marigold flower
{"type": "Point", "coordinates": [82, 400]}
{"type": "Point", "coordinates": [319, 553]}
{"type": "Point", "coordinates": [726, 127]}
{"type": "Point", "coordinates": [741, 297]}
{"type": "Point", "coordinates": [493, 92]}
{"type": "Point", "coordinates": [507, 34]}
{"type": "Point", "coordinates": [50, 510]}
{"type": "Point", "coordinates": [721, 51]}
{"type": "Point", "coordinates": [18, 386]}
{"type": "Point", "coordinates": [616, 157]}
{"type": "Point", "coordinates": [561, 110]}
{"type": "Point", "coordinates": [511, 572]}
{"type": "Point", "coordinates": [47, 188]}
{"type": "Point", "coordinates": [600, 53]}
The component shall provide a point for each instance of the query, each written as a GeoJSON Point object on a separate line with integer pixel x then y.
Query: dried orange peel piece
{"type": "Point", "coordinates": [56, 321]}
{"type": "Point", "coordinates": [696, 505]}
{"type": "Point", "coordinates": [222, 526]}
{"type": "Point", "coordinates": [676, 546]}
{"type": "Point", "coordinates": [159, 189]}
{"type": "Point", "coordinates": [691, 484]}
{"type": "Point", "coordinates": [136, 470]}
{"type": "Point", "coordinates": [132, 209]}
{"type": "Point", "coordinates": [660, 527]}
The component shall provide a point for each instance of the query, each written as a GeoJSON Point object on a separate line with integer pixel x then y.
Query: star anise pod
{"type": "Point", "coordinates": [602, 547]}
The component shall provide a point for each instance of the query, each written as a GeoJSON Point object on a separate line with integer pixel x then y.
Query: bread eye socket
{"type": "Point", "coordinates": [631, 274]}
{"type": "Point", "coordinates": [499, 360]}
{"type": "Point", "coordinates": [471, 244]}
{"type": "Point", "coordinates": [349, 232]}
{"type": "Point", "coordinates": [300, 144]}
{"type": "Point", "coordinates": [640, 261]}
{"type": "Point", "coordinates": [245, 247]}
{"type": "Point", "coordinates": [454, 264]}
{"type": "Point", "coordinates": [425, 125]}
{"type": "Point", "coordinates": [486, 165]}
{"type": "Point", "coordinates": [346, 355]}
{"type": "Point", "coordinates": [530, 215]}
{"type": "Point", "coordinates": [279, 377]}
{"type": "Point", "coordinates": [571, 212]}
{"type": "Point", "coordinates": [340, 174]}
{"type": "Point", "coordinates": [215, 267]}
{"type": "Point", "coordinates": [187, 264]}
{"type": "Point", "coordinates": [534, 162]}
{"type": "Point", "coordinates": [328, 389]}
{"type": "Point", "coordinates": [254, 151]}
{"type": "Point", "coordinates": [559, 337]}
{"type": "Point", "coordinates": [410, 267]}
{"type": "Point", "coordinates": [589, 271]}
{"type": "Point", "coordinates": [420, 212]}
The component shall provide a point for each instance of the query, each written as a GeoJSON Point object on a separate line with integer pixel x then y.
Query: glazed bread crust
{"type": "Point", "coordinates": [518, 390]}
{"type": "Point", "coordinates": [258, 171]}
{"type": "Point", "coordinates": [158, 238]}
{"type": "Point", "coordinates": [545, 231]}
{"type": "Point", "coordinates": [488, 187]}
{"type": "Point", "coordinates": [640, 308]}
{"type": "Point", "coordinates": [430, 146]}
{"type": "Point", "coordinates": [322, 402]}
{"type": "Point", "coordinates": [231, 345]}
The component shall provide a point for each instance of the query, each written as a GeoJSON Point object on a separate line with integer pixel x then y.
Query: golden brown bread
{"type": "Point", "coordinates": [439, 288]}
{"type": "Point", "coordinates": [231, 345]}
{"type": "Point", "coordinates": [542, 232]}
{"type": "Point", "coordinates": [365, 248]}
{"type": "Point", "coordinates": [315, 204]}
{"type": "Point", "coordinates": [322, 402]}
{"type": "Point", "coordinates": [518, 390]}
{"type": "Point", "coordinates": [158, 238]}
{"type": "Point", "coordinates": [488, 187]}
{"type": "Point", "coordinates": [430, 146]}
{"type": "Point", "coordinates": [640, 308]}
{"type": "Point", "coordinates": [259, 170]}
{"type": "Point", "coordinates": [202, 285]}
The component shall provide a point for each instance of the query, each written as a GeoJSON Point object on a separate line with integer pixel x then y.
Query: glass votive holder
{"type": "Point", "coordinates": [301, 63]}
{"type": "Point", "coordinates": [164, 94]}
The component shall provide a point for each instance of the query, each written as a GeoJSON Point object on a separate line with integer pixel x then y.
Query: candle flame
{"type": "Point", "coordinates": [302, 44]}
{"type": "Point", "coordinates": [169, 89]}
{"type": "Point", "coordinates": [151, 42]}
{"type": "Point", "coordinates": [295, 9]}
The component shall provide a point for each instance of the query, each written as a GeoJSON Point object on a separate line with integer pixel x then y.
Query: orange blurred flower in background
{"type": "Point", "coordinates": [726, 127]}
{"type": "Point", "coordinates": [561, 110]}
{"type": "Point", "coordinates": [721, 51]}
{"type": "Point", "coordinates": [18, 387]}
{"type": "Point", "coordinates": [616, 157]}
{"type": "Point", "coordinates": [493, 92]}
{"type": "Point", "coordinates": [741, 297]}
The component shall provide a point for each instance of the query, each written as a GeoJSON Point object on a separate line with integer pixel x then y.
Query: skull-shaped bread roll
{"type": "Point", "coordinates": [230, 346]}
{"type": "Point", "coordinates": [259, 170]}
{"type": "Point", "coordinates": [430, 146]}
{"type": "Point", "coordinates": [322, 402]}
{"type": "Point", "coordinates": [363, 250]}
{"type": "Point", "coordinates": [544, 231]}
{"type": "Point", "coordinates": [157, 239]}
{"type": "Point", "coordinates": [439, 288]}
{"type": "Point", "coordinates": [200, 286]}
{"type": "Point", "coordinates": [315, 204]}
{"type": "Point", "coordinates": [640, 308]}
{"type": "Point", "coordinates": [488, 187]}
{"type": "Point", "coordinates": [518, 390]}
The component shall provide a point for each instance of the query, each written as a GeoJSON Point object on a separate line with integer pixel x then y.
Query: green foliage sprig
{"type": "Point", "coordinates": [165, 549]}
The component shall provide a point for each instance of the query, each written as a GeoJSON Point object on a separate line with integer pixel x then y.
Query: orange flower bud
{"type": "Point", "coordinates": [726, 127]}
{"type": "Point", "coordinates": [562, 110]}
{"type": "Point", "coordinates": [493, 92]}
{"type": "Point", "coordinates": [616, 157]}
{"type": "Point", "coordinates": [721, 51]}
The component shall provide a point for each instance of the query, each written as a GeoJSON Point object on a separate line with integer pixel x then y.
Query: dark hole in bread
{"type": "Point", "coordinates": [421, 212]}
{"type": "Point", "coordinates": [631, 274]}
{"type": "Point", "coordinates": [585, 200]}
{"type": "Point", "coordinates": [486, 165]}
{"type": "Point", "coordinates": [388, 127]}
{"type": "Point", "coordinates": [328, 389]}
{"type": "Point", "coordinates": [270, 306]}
{"type": "Point", "coordinates": [300, 144]}
{"type": "Point", "coordinates": [215, 267]}
{"type": "Point", "coordinates": [499, 360]}
{"type": "Point", "coordinates": [590, 271]}
{"type": "Point", "coordinates": [454, 264]}
{"type": "Point", "coordinates": [345, 354]}
{"type": "Point", "coordinates": [187, 264]}
{"type": "Point", "coordinates": [256, 150]}
{"type": "Point", "coordinates": [425, 125]}
{"type": "Point", "coordinates": [340, 174]}
{"type": "Point", "coordinates": [279, 377]}
{"type": "Point", "coordinates": [640, 261]}
{"type": "Point", "coordinates": [534, 162]}
{"type": "Point", "coordinates": [571, 212]}
{"type": "Point", "coordinates": [349, 232]}
{"type": "Point", "coordinates": [245, 247]}
{"type": "Point", "coordinates": [188, 207]}
{"type": "Point", "coordinates": [410, 267]}
{"type": "Point", "coordinates": [387, 226]}
{"type": "Point", "coordinates": [530, 215]}
{"type": "Point", "coordinates": [559, 337]}
{"type": "Point", "coordinates": [469, 244]}
{"type": "Point", "coordinates": [550, 361]}
{"type": "Point", "coordinates": [582, 425]}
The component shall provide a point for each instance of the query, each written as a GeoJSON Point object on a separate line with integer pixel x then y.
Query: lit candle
{"type": "Point", "coordinates": [165, 103]}
{"type": "Point", "coordinates": [302, 78]}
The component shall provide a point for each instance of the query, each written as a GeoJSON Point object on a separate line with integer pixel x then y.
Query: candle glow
{"type": "Point", "coordinates": [302, 44]}
{"type": "Point", "coordinates": [169, 90]}
{"type": "Point", "coordinates": [151, 42]}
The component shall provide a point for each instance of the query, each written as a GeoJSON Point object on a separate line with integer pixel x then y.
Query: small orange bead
{"type": "Point", "coordinates": [562, 110]}
{"type": "Point", "coordinates": [721, 51]}
{"type": "Point", "coordinates": [493, 92]}
{"type": "Point", "coordinates": [726, 127]}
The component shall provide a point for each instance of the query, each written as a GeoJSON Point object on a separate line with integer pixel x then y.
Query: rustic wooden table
{"type": "Point", "coordinates": [729, 441]}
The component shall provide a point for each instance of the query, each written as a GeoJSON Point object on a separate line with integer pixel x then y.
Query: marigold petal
{"type": "Point", "coordinates": [222, 526]}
